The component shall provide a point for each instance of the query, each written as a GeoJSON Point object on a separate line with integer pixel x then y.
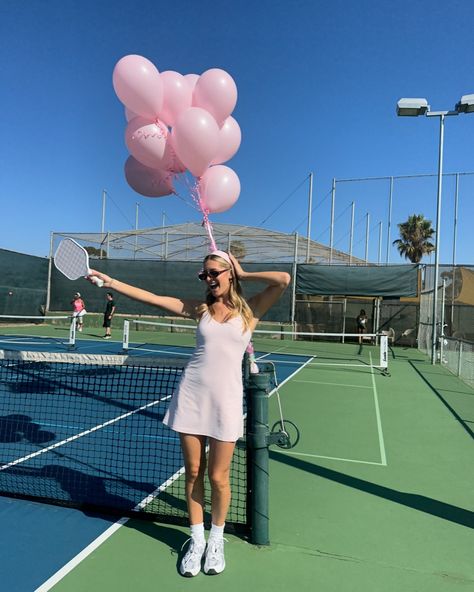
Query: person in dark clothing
{"type": "Point", "coordinates": [108, 315]}
{"type": "Point", "coordinates": [361, 321]}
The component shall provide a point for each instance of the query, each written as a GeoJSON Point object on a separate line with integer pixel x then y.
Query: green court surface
{"type": "Point", "coordinates": [378, 495]}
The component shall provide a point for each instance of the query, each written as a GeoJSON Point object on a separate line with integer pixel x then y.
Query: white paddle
{"type": "Point", "coordinates": [72, 260]}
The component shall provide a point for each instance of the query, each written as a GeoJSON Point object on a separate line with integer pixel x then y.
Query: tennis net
{"type": "Point", "coordinates": [277, 343]}
{"type": "Point", "coordinates": [86, 431]}
{"type": "Point", "coordinates": [26, 331]}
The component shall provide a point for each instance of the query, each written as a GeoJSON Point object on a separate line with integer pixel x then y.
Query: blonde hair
{"type": "Point", "coordinates": [236, 299]}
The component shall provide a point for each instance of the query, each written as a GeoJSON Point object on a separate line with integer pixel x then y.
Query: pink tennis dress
{"type": "Point", "coordinates": [208, 401]}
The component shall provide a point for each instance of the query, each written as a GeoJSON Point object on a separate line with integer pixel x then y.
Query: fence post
{"type": "Point", "coordinates": [293, 285]}
{"type": "Point", "coordinates": [459, 358]}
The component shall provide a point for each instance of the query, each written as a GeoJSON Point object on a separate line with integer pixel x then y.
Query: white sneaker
{"type": "Point", "coordinates": [191, 562]}
{"type": "Point", "coordinates": [214, 562]}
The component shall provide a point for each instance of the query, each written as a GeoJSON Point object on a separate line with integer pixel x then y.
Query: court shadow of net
{"type": "Point", "coordinates": [16, 428]}
{"type": "Point", "coordinates": [456, 396]}
{"type": "Point", "coordinates": [64, 486]}
{"type": "Point", "coordinates": [59, 484]}
{"type": "Point", "coordinates": [417, 502]}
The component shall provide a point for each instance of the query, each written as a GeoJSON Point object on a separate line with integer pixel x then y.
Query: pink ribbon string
{"type": "Point", "coordinates": [208, 227]}
{"type": "Point", "coordinates": [205, 217]}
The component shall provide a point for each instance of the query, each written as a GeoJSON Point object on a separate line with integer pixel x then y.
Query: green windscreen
{"type": "Point", "coordinates": [23, 283]}
{"type": "Point", "coordinates": [394, 281]}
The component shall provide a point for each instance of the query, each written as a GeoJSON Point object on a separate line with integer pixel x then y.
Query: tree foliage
{"type": "Point", "coordinates": [97, 253]}
{"type": "Point", "coordinates": [238, 250]}
{"type": "Point", "coordinates": [415, 235]}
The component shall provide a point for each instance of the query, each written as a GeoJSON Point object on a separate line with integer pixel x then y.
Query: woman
{"type": "Point", "coordinates": [207, 406]}
{"type": "Point", "coordinates": [79, 310]}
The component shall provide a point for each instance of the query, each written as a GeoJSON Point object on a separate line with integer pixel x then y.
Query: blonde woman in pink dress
{"type": "Point", "coordinates": [206, 409]}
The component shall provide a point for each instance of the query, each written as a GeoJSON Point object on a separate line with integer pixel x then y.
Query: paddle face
{"type": "Point", "coordinates": [72, 260]}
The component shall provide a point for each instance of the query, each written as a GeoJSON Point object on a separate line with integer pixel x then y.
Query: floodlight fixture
{"type": "Point", "coordinates": [412, 107]}
{"type": "Point", "coordinates": [465, 104]}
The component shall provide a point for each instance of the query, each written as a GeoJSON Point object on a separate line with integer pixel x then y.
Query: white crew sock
{"type": "Point", "coordinates": [217, 532]}
{"type": "Point", "coordinates": [197, 532]}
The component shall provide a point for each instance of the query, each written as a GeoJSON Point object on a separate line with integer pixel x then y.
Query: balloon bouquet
{"type": "Point", "coordinates": [176, 124]}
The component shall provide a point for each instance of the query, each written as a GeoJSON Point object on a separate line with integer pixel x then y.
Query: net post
{"type": "Point", "coordinates": [257, 387]}
{"type": "Point", "coordinates": [384, 351]}
{"type": "Point", "coordinates": [72, 332]}
{"type": "Point", "coordinates": [126, 335]}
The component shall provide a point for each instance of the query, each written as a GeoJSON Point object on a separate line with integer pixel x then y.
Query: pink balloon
{"type": "Point", "coordinates": [138, 85]}
{"type": "Point", "coordinates": [147, 181]}
{"type": "Point", "coordinates": [230, 137]}
{"type": "Point", "coordinates": [175, 165]}
{"type": "Point", "coordinates": [219, 189]}
{"type": "Point", "coordinates": [191, 79]}
{"type": "Point", "coordinates": [129, 115]}
{"type": "Point", "coordinates": [146, 141]}
{"type": "Point", "coordinates": [216, 92]}
{"type": "Point", "coordinates": [195, 139]}
{"type": "Point", "coordinates": [177, 96]}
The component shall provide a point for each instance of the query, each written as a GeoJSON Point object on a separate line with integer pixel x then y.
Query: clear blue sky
{"type": "Point", "coordinates": [318, 82]}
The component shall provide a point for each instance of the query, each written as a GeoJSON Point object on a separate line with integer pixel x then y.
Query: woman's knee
{"type": "Point", "coordinates": [195, 472]}
{"type": "Point", "coordinates": [219, 479]}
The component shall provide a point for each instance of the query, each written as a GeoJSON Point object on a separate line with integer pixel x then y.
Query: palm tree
{"type": "Point", "coordinates": [415, 235]}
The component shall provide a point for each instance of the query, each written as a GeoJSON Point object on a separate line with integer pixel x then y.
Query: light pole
{"type": "Point", "coordinates": [310, 208]}
{"type": "Point", "coordinates": [414, 108]}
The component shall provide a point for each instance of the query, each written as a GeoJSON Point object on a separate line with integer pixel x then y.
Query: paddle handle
{"type": "Point", "coordinates": [97, 281]}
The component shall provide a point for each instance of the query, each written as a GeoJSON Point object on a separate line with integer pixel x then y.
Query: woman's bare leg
{"type": "Point", "coordinates": [220, 458]}
{"type": "Point", "coordinates": [194, 452]}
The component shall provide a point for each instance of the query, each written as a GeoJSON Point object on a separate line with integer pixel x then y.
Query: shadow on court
{"type": "Point", "coordinates": [170, 536]}
{"type": "Point", "coordinates": [417, 502]}
{"type": "Point", "coordinates": [17, 428]}
{"type": "Point", "coordinates": [459, 401]}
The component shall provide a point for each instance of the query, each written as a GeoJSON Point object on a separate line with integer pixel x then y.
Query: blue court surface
{"type": "Point", "coordinates": [39, 539]}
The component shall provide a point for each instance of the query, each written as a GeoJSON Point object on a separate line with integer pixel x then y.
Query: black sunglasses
{"type": "Point", "coordinates": [212, 273]}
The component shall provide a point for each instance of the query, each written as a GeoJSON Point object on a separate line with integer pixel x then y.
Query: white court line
{"type": "Point", "coordinates": [157, 351]}
{"type": "Point", "coordinates": [279, 384]}
{"type": "Point", "coordinates": [172, 349]}
{"type": "Point", "coordinates": [277, 351]}
{"type": "Point", "coordinates": [383, 455]}
{"type": "Point", "coordinates": [333, 384]}
{"type": "Point", "coordinates": [35, 342]}
{"type": "Point", "coordinates": [352, 460]}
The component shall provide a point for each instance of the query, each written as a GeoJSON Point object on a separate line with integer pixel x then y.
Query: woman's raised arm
{"type": "Point", "coordinates": [277, 282]}
{"type": "Point", "coordinates": [184, 308]}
